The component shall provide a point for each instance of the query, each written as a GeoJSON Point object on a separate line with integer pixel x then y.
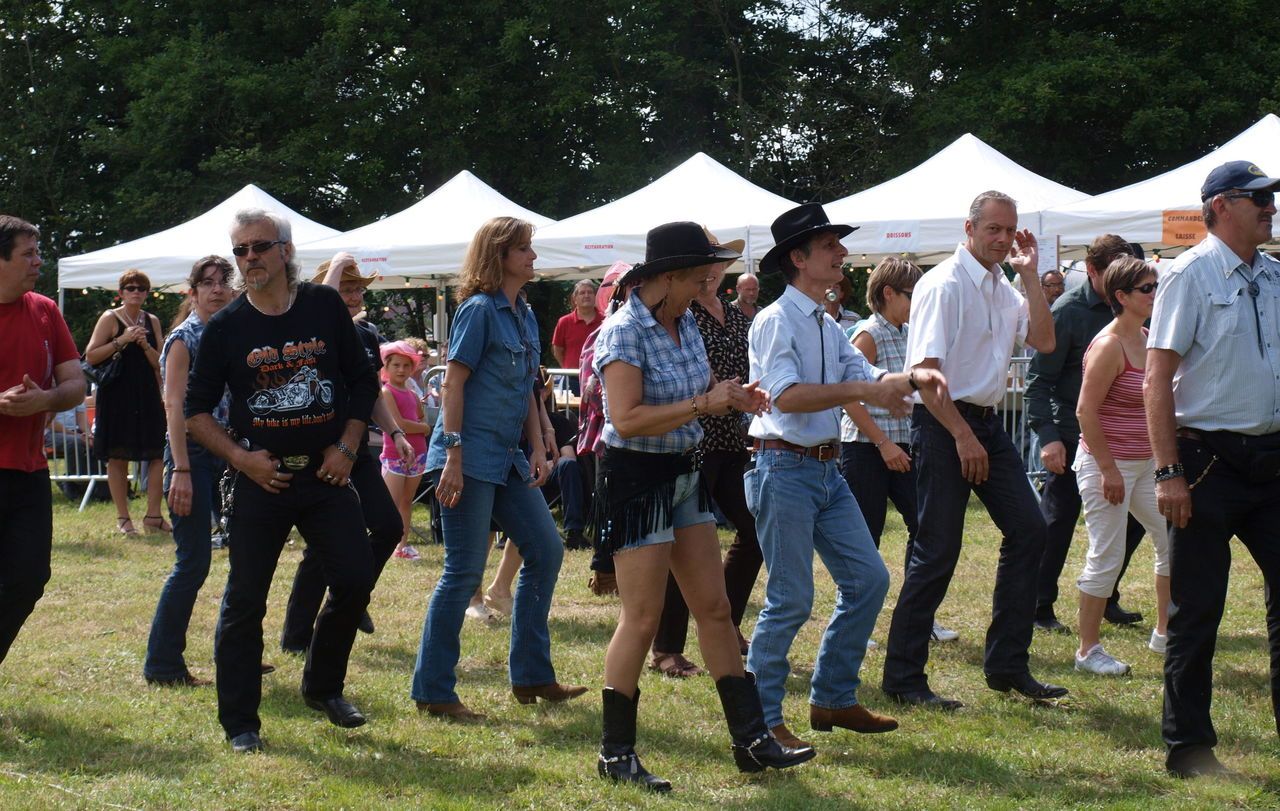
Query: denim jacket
{"type": "Point", "coordinates": [498, 342]}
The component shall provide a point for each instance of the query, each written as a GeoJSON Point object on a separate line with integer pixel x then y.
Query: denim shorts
{"type": "Point", "coordinates": [684, 513]}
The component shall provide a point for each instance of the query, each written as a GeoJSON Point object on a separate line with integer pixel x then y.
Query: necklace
{"type": "Point", "coordinates": [293, 294]}
{"type": "Point", "coordinates": [135, 322]}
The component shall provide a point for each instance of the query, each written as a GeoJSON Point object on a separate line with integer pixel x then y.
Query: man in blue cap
{"type": "Point", "coordinates": [1213, 410]}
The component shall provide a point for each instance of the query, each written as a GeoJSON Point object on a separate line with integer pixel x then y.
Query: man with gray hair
{"type": "Point", "coordinates": [965, 320]}
{"type": "Point", "coordinates": [573, 328]}
{"type": "Point", "coordinates": [302, 390]}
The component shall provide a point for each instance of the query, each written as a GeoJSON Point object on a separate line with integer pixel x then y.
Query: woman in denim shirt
{"type": "Point", "coordinates": [480, 471]}
{"type": "Point", "coordinates": [191, 473]}
{"type": "Point", "coordinates": [652, 509]}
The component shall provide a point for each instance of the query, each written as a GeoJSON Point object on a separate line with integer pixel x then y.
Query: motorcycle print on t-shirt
{"type": "Point", "coordinates": [291, 389]}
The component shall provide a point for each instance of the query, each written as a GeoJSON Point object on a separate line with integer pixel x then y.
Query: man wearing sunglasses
{"type": "Point", "coordinates": [1213, 410]}
{"type": "Point", "coordinates": [1053, 388]}
{"type": "Point", "coordinates": [302, 390]}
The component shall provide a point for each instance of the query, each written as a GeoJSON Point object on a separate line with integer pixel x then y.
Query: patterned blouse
{"type": "Point", "coordinates": [671, 373]}
{"type": "Point", "coordinates": [727, 351]}
{"type": "Point", "coordinates": [891, 355]}
{"type": "Point", "coordinates": [190, 331]}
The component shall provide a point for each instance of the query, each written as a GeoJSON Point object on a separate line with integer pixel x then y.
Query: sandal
{"type": "Point", "coordinates": [674, 666]}
{"type": "Point", "coordinates": [125, 526]}
{"type": "Point", "coordinates": [156, 523]}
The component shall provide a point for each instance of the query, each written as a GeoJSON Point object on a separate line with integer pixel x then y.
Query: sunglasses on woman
{"type": "Point", "coordinates": [1149, 287]}
{"type": "Point", "coordinates": [135, 288]}
{"type": "Point", "coordinates": [258, 247]}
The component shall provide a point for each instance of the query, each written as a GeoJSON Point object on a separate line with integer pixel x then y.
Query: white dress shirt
{"type": "Point", "coordinates": [970, 319]}
{"type": "Point", "coordinates": [793, 340]}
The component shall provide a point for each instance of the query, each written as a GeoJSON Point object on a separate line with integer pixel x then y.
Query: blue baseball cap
{"type": "Point", "coordinates": [1241, 175]}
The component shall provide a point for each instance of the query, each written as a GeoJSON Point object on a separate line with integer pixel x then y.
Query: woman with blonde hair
{"type": "Point", "coordinates": [130, 420]}
{"type": "Point", "coordinates": [480, 471]}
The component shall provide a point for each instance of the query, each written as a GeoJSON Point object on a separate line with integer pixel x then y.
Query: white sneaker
{"type": "Point", "coordinates": [1100, 662]}
{"type": "Point", "coordinates": [942, 633]}
{"type": "Point", "coordinates": [480, 612]}
{"type": "Point", "coordinates": [1159, 642]}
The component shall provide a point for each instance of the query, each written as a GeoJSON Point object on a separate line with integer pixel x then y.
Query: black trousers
{"type": "Point", "coordinates": [943, 498]}
{"type": "Point", "coordinates": [1223, 504]}
{"type": "Point", "coordinates": [26, 542]}
{"type": "Point", "coordinates": [723, 471]}
{"type": "Point", "coordinates": [874, 485]}
{"type": "Point", "coordinates": [1060, 503]}
{"type": "Point", "coordinates": [329, 519]}
{"type": "Point", "coordinates": [381, 519]}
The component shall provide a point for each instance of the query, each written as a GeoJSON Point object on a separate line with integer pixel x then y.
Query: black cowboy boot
{"type": "Point", "coordinates": [618, 759]}
{"type": "Point", "coordinates": [754, 747]}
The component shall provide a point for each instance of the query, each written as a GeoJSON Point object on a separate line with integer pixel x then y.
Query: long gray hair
{"type": "Point", "coordinates": [284, 233]}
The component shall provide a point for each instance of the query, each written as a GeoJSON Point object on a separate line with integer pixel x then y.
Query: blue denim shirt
{"type": "Point", "coordinates": [498, 342]}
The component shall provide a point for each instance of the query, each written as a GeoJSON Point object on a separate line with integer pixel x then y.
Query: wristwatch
{"type": "Point", "coordinates": [452, 439]}
{"type": "Point", "coordinates": [399, 431]}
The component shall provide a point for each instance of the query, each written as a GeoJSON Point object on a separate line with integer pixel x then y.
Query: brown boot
{"type": "Point", "coordinates": [857, 718]}
{"type": "Point", "coordinates": [453, 711]}
{"type": "Point", "coordinates": [603, 583]}
{"type": "Point", "coordinates": [788, 738]}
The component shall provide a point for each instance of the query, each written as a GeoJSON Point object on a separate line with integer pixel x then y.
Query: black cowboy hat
{"type": "Point", "coordinates": [793, 227]}
{"type": "Point", "coordinates": [675, 246]}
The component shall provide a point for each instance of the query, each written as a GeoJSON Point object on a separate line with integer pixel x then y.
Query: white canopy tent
{"type": "Point", "coordinates": [922, 212]}
{"type": "Point", "coordinates": [428, 239]}
{"type": "Point", "coordinates": [1163, 212]}
{"type": "Point", "coordinates": [700, 190]}
{"type": "Point", "coordinates": [166, 257]}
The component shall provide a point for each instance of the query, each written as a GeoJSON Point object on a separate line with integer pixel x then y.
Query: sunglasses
{"type": "Point", "coordinates": [906, 293]}
{"type": "Point", "coordinates": [258, 247]}
{"type": "Point", "coordinates": [1261, 198]}
{"type": "Point", "coordinates": [1149, 287]}
{"type": "Point", "coordinates": [135, 288]}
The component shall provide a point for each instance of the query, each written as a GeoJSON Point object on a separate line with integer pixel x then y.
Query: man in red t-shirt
{"type": "Point", "coordinates": [572, 329]}
{"type": "Point", "coordinates": [39, 373]}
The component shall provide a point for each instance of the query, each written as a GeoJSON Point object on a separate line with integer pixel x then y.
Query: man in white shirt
{"type": "Point", "coordinates": [965, 320]}
{"type": "Point", "coordinates": [795, 488]}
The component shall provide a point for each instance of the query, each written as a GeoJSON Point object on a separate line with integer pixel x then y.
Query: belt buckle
{"type": "Point", "coordinates": [826, 453]}
{"type": "Point", "coordinates": [296, 462]}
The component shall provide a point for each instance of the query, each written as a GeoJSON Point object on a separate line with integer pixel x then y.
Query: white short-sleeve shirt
{"type": "Point", "coordinates": [971, 319]}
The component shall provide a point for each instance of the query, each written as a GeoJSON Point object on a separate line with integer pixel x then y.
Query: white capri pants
{"type": "Point", "coordinates": [1108, 523]}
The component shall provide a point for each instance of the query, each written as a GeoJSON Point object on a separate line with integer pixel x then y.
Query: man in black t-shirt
{"type": "Point", "coordinates": [302, 390]}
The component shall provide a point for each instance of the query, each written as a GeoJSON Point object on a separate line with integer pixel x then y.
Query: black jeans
{"type": "Point", "coordinates": [944, 495]}
{"type": "Point", "coordinates": [1060, 503]}
{"type": "Point", "coordinates": [723, 472]}
{"type": "Point", "coordinates": [1223, 504]}
{"type": "Point", "coordinates": [329, 519]}
{"type": "Point", "coordinates": [26, 542]}
{"type": "Point", "coordinates": [381, 519]}
{"type": "Point", "coordinates": [874, 485]}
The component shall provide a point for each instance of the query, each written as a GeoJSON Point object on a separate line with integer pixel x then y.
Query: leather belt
{"type": "Point", "coordinates": [968, 409]}
{"type": "Point", "coordinates": [1190, 433]}
{"type": "Point", "coordinates": [823, 453]}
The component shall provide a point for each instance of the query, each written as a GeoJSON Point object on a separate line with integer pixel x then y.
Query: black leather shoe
{"type": "Point", "coordinates": [1051, 625]}
{"type": "Point", "coordinates": [1116, 615]}
{"type": "Point", "coordinates": [246, 742]}
{"type": "Point", "coordinates": [366, 623]}
{"type": "Point", "coordinates": [926, 698]}
{"type": "Point", "coordinates": [1025, 684]}
{"type": "Point", "coordinates": [342, 713]}
{"type": "Point", "coordinates": [1198, 761]}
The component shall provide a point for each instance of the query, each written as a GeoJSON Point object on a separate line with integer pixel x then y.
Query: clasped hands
{"type": "Point", "coordinates": [730, 395]}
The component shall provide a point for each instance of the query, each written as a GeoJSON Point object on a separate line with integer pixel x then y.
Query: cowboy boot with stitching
{"type": "Point", "coordinates": [618, 759]}
{"type": "Point", "coordinates": [754, 747]}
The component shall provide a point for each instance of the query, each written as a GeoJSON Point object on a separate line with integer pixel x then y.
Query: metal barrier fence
{"type": "Point", "coordinates": [72, 461]}
{"type": "Point", "coordinates": [1013, 414]}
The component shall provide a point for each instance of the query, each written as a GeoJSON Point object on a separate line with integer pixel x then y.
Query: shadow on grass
{"type": "Point", "coordinates": [52, 744]}
{"type": "Point", "coordinates": [91, 548]}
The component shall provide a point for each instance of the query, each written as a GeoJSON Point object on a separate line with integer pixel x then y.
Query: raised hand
{"type": "Point", "coordinates": [1024, 255]}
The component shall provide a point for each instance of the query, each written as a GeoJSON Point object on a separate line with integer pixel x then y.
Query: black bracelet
{"type": "Point", "coordinates": [1174, 471]}
{"type": "Point", "coordinates": [344, 450]}
{"type": "Point", "coordinates": [397, 431]}
{"type": "Point", "coordinates": [911, 379]}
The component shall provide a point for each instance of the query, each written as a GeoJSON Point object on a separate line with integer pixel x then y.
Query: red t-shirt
{"type": "Point", "coordinates": [571, 333]}
{"type": "Point", "coordinates": [35, 340]}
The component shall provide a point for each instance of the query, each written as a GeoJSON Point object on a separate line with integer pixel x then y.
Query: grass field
{"type": "Point", "coordinates": [80, 729]}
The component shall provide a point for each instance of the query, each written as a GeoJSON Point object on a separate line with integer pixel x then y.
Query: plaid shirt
{"type": "Point", "coordinates": [891, 355]}
{"type": "Point", "coordinates": [671, 373]}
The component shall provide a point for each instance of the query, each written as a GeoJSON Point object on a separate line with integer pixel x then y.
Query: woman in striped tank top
{"type": "Point", "coordinates": [1114, 464]}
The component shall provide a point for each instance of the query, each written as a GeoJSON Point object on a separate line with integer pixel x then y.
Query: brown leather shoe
{"type": "Point", "coordinates": [603, 583]}
{"type": "Point", "coordinates": [788, 739]}
{"type": "Point", "coordinates": [857, 718]}
{"type": "Point", "coordinates": [555, 692]}
{"type": "Point", "coordinates": [453, 711]}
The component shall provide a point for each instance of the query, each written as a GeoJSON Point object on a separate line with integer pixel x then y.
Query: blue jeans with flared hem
{"type": "Point", "coordinates": [522, 512]}
{"type": "Point", "coordinates": [801, 506]}
{"type": "Point", "coordinates": [191, 538]}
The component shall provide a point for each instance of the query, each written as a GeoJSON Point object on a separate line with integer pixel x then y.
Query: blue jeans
{"type": "Point", "coordinates": [568, 478]}
{"type": "Point", "coordinates": [191, 536]}
{"type": "Point", "coordinates": [523, 513]}
{"type": "Point", "coordinates": [802, 505]}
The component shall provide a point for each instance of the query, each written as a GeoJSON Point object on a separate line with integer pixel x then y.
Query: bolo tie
{"type": "Point", "coordinates": [1254, 290]}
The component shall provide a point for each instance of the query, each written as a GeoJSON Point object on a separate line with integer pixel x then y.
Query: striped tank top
{"type": "Point", "coordinates": [1123, 415]}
